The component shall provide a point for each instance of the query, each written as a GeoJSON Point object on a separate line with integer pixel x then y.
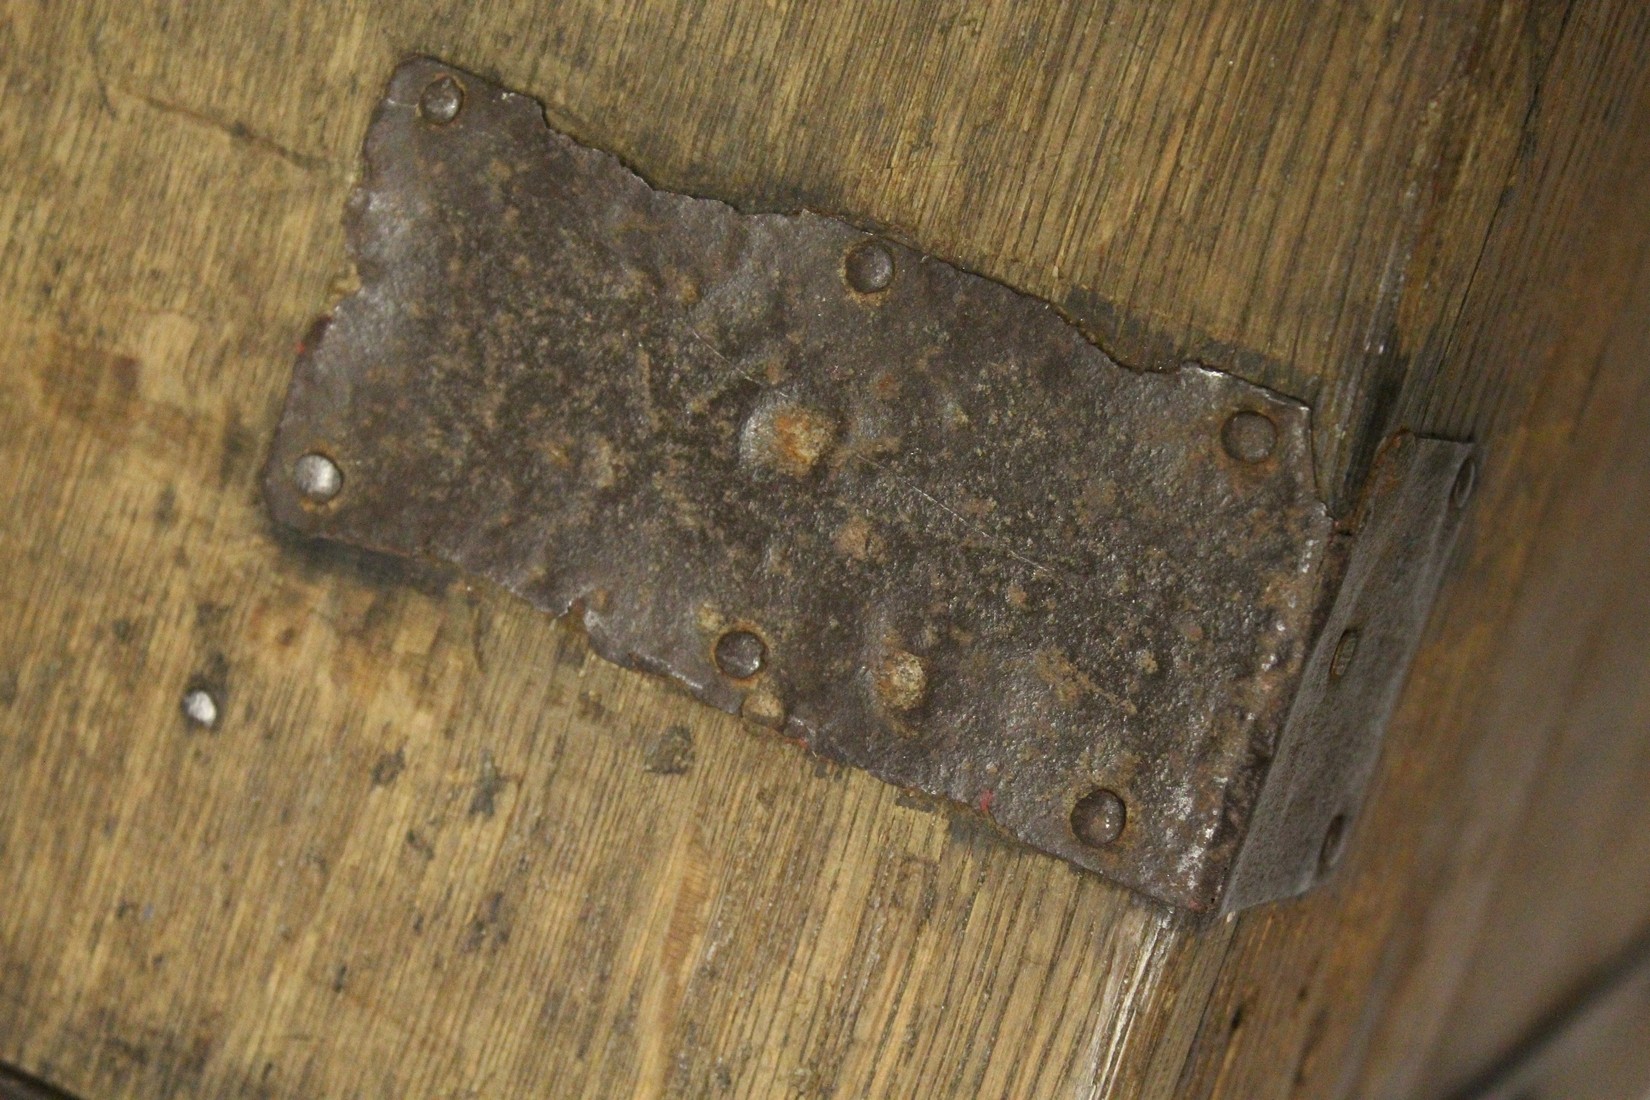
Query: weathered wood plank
{"type": "Point", "coordinates": [421, 852]}
{"type": "Point", "coordinates": [1497, 826]}
{"type": "Point", "coordinates": [1270, 188]}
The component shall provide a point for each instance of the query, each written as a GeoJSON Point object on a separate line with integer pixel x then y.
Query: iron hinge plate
{"type": "Point", "coordinates": [906, 514]}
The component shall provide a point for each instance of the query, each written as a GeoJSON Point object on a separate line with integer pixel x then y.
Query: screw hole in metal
{"type": "Point", "coordinates": [1098, 818]}
{"type": "Point", "coordinates": [1249, 437]}
{"type": "Point", "coordinates": [1466, 480]}
{"type": "Point", "coordinates": [1334, 844]}
{"type": "Point", "coordinates": [741, 654]}
{"type": "Point", "coordinates": [318, 478]}
{"type": "Point", "coordinates": [1346, 651]}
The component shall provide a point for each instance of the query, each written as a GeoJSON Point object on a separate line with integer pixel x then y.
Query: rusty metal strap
{"type": "Point", "coordinates": [904, 513]}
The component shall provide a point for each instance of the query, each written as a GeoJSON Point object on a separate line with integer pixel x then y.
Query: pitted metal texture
{"type": "Point", "coordinates": [903, 513]}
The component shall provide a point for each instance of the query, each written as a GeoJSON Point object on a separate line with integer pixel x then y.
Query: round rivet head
{"type": "Point", "coordinates": [1345, 651]}
{"type": "Point", "coordinates": [1466, 479]}
{"type": "Point", "coordinates": [1249, 437]}
{"type": "Point", "coordinates": [1334, 844]}
{"type": "Point", "coordinates": [740, 654]}
{"type": "Point", "coordinates": [441, 100]}
{"type": "Point", "coordinates": [1097, 819]}
{"type": "Point", "coordinates": [317, 477]}
{"type": "Point", "coordinates": [869, 267]}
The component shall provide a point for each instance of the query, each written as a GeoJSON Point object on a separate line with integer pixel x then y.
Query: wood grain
{"type": "Point", "coordinates": [422, 852]}
{"type": "Point", "coordinates": [1496, 867]}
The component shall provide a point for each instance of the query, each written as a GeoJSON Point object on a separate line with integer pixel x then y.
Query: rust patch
{"type": "Point", "coordinates": [787, 437]}
{"type": "Point", "coordinates": [901, 680]}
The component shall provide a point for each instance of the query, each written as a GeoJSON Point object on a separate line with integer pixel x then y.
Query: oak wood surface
{"type": "Point", "coordinates": [432, 848]}
{"type": "Point", "coordinates": [1498, 865]}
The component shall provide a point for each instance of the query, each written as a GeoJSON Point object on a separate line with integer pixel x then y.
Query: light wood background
{"type": "Point", "coordinates": [428, 849]}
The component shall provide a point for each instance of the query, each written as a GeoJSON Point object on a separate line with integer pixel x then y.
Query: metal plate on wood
{"type": "Point", "coordinates": [902, 512]}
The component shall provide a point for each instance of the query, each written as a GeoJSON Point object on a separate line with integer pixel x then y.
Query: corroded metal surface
{"type": "Point", "coordinates": [1388, 560]}
{"type": "Point", "coordinates": [903, 513]}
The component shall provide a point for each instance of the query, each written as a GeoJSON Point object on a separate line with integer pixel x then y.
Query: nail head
{"type": "Point", "coordinates": [1249, 437]}
{"type": "Point", "coordinates": [740, 654]}
{"type": "Point", "coordinates": [441, 100]}
{"type": "Point", "coordinates": [318, 477]}
{"type": "Point", "coordinates": [869, 267]}
{"type": "Point", "coordinates": [1098, 818]}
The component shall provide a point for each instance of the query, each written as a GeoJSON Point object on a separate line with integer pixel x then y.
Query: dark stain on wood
{"type": "Point", "coordinates": [388, 768]}
{"type": "Point", "coordinates": [669, 752]}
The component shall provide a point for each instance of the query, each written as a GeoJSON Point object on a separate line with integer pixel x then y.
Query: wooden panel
{"type": "Point", "coordinates": [1573, 870]}
{"type": "Point", "coordinates": [1532, 670]}
{"type": "Point", "coordinates": [422, 852]}
{"type": "Point", "coordinates": [1596, 1048]}
{"type": "Point", "coordinates": [1293, 190]}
